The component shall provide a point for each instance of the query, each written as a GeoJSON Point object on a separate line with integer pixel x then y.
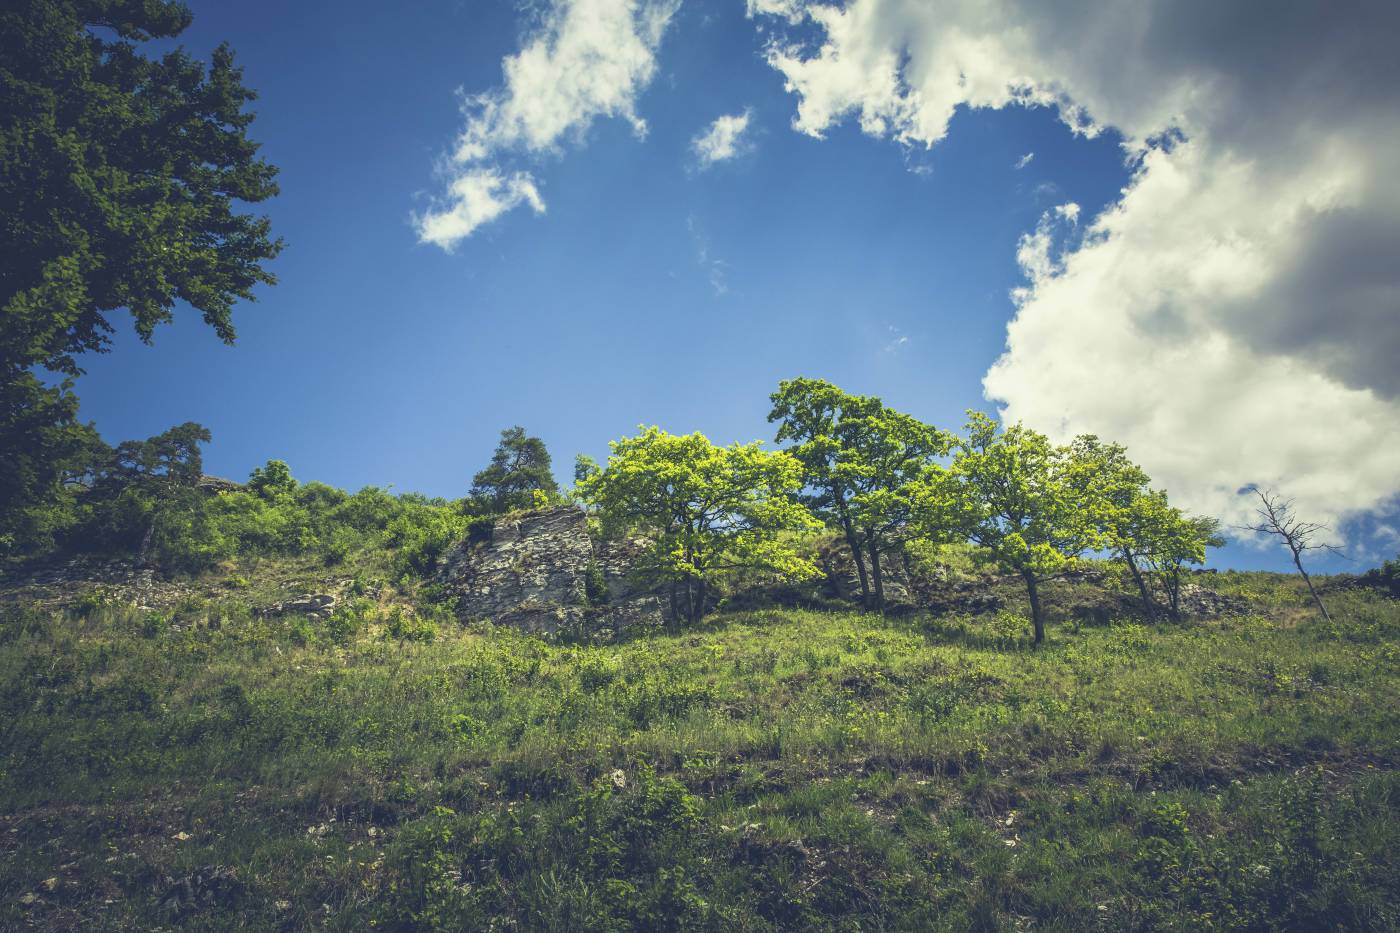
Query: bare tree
{"type": "Point", "coordinates": [1276, 518]}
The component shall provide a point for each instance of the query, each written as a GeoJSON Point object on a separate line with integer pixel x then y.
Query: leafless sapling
{"type": "Point", "coordinates": [1276, 517]}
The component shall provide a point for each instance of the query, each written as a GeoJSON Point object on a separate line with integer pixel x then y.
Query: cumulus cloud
{"type": "Point", "coordinates": [1235, 317]}
{"type": "Point", "coordinates": [588, 59]}
{"type": "Point", "coordinates": [724, 139]}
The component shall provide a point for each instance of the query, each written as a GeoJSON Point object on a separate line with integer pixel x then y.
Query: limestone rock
{"type": "Point", "coordinates": [529, 570]}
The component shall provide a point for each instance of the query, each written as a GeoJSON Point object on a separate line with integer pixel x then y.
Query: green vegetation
{"type": "Point", "coordinates": [861, 461]}
{"type": "Point", "coordinates": [122, 175]}
{"type": "Point", "coordinates": [771, 770]}
{"type": "Point", "coordinates": [519, 476]}
{"type": "Point", "coordinates": [709, 510]}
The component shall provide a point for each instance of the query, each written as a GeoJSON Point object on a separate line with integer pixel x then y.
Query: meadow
{"type": "Point", "coordinates": [204, 768]}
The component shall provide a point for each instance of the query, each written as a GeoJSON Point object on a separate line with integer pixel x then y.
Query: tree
{"type": "Point", "coordinates": [859, 458]}
{"type": "Point", "coordinates": [1016, 494]}
{"type": "Point", "coordinates": [1125, 513]}
{"type": "Point", "coordinates": [162, 472]}
{"type": "Point", "coordinates": [708, 509]}
{"type": "Point", "coordinates": [1276, 518]}
{"type": "Point", "coordinates": [120, 178]}
{"type": "Point", "coordinates": [272, 480]}
{"type": "Point", "coordinates": [1172, 540]}
{"type": "Point", "coordinates": [43, 451]}
{"type": "Point", "coordinates": [519, 468]}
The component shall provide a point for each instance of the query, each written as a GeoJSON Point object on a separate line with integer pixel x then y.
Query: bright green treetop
{"type": "Point", "coordinates": [859, 458]}
{"type": "Point", "coordinates": [1136, 523]}
{"type": "Point", "coordinates": [1023, 498]}
{"type": "Point", "coordinates": [709, 509]}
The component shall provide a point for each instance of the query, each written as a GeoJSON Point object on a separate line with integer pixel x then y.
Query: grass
{"type": "Point", "coordinates": [774, 770]}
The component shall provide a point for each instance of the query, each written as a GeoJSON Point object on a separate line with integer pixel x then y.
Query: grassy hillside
{"type": "Point", "coordinates": [205, 769]}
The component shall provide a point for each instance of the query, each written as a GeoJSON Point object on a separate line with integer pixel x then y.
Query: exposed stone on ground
{"type": "Point", "coordinates": [1196, 600]}
{"type": "Point", "coordinates": [206, 887]}
{"type": "Point", "coordinates": [318, 606]}
{"type": "Point", "coordinates": [62, 584]}
{"type": "Point", "coordinates": [530, 572]}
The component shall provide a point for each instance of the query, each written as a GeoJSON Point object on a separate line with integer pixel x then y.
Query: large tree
{"type": "Point", "coordinates": [520, 474]}
{"type": "Point", "coordinates": [811, 413]}
{"type": "Point", "coordinates": [156, 475]}
{"type": "Point", "coordinates": [859, 460]}
{"type": "Point", "coordinates": [121, 178]}
{"type": "Point", "coordinates": [707, 509]}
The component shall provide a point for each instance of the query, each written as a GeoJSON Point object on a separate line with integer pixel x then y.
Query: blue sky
{"type": "Point", "coordinates": [652, 289]}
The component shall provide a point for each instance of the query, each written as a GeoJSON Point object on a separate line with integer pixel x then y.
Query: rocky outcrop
{"type": "Point", "coordinates": [530, 571]}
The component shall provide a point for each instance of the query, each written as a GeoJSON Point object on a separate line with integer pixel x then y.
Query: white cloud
{"type": "Point", "coordinates": [1235, 317]}
{"type": "Point", "coordinates": [478, 196]}
{"type": "Point", "coordinates": [1024, 160]}
{"type": "Point", "coordinates": [723, 140]}
{"type": "Point", "coordinates": [589, 59]}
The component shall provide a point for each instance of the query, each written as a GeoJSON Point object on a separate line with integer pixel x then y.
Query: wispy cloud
{"type": "Point", "coordinates": [716, 270]}
{"type": "Point", "coordinates": [897, 341]}
{"type": "Point", "coordinates": [1024, 160]}
{"type": "Point", "coordinates": [724, 139]}
{"type": "Point", "coordinates": [588, 59]}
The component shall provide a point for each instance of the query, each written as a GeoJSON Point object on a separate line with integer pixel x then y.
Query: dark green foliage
{"type": "Point", "coordinates": [519, 477]}
{"type": "Point", "coordinates": [42, 447]}
{"type": "Point", "coordinates": [1386, 576]}
{"type": "Point", "coordinates": [120, 177]}
{"type": "Point", "coordinates": [120, 182]}
{"type": "Point", "coordinates": [595, 584]}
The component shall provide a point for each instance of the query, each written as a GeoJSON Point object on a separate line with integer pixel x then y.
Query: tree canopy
{"type": "Point", "coordinates": [122, 176]}
{"type": "Point", "coordinates": [859, 458]}
{"type": "Point", "coordinates": [520, 474]}
{"type": "Point", "coordinates": [707, 509]}
{"type": "Point", "coordinates": [1013, 492]}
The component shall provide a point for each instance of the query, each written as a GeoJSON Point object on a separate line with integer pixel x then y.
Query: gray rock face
{"type": "Point", "coordinates": [530, 573]}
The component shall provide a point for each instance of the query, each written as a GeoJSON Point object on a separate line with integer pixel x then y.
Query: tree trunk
{"type": "Point", "coordinates": [700, 595]}
{"type": "Point", "coordinates": [1173, 585]}
{"type": "Point", "coordinates": [1148, 605]}
{"type": "Point", "coordinates": [146, 542]}
{"type": "Point", "coordinates": [1037, 613]}
{"type": "Point", "coordinates": [875, 573]}
{"type": "Point", "coordinates": [1311, 589]}
{"type": "Point", "coordinates": [854, 544]}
